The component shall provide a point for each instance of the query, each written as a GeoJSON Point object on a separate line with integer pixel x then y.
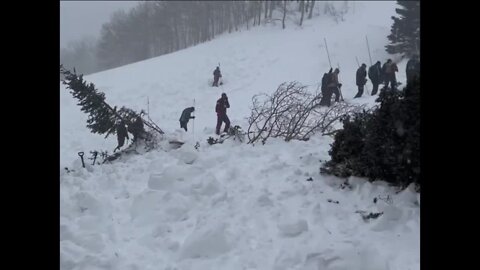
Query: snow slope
{"type": "Point", "coordinates": [232, 206]}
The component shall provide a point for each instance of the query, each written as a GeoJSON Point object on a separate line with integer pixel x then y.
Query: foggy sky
{"type": "Point", "coordinates": [85, 18]}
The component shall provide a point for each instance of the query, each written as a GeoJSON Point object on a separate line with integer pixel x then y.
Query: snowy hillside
{"type": "Point", "coordinates": [233, 206]}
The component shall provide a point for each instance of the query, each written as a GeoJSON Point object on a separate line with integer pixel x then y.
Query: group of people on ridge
{"type": "Point", "coordinates": [377, 73]}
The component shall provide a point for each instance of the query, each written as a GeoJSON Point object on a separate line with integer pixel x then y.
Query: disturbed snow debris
{"type": "Point", "coordinates": [162, 209]}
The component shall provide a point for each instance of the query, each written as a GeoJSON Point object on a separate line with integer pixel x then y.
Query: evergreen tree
{"type": "Point", "coordinates": [101, 116]}
{"type": "Point", "coordinates": [383, 144]}
{"type": "Point", "coordinates": [405, 33]}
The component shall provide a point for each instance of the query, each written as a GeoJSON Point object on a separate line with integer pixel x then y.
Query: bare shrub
{"type": "Point", "coordinates": [293, 113]}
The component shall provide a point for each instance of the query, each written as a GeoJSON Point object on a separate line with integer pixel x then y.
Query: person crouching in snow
{"type": "Point", "coordinates": [186, 116]}
{"type": "Point", "coordinates": [216, 76]}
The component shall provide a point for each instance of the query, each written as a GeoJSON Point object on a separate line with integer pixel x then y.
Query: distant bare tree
{"type": "Point", "coordinates": [80, 55]}
{"type": "Point", "coordinates": [337, 13]}
{"type": "Point", "coordinates": [266, 8]}
{"type": "Point", "coordinates": [272, 6]}
{"type": "Point", "coordinates": [302, 8]}
{"type": "Point", "coordinates": [311, 9]}
{"type": "Point", "coordinates": [153, 28]}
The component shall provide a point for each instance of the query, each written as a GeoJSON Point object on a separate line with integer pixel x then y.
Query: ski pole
{"type": "Point", "coordinates": [368, 47]}
{"type": "Point", "coordinates": [328, 54]}
{"type": "Point", "coordinates": [340, 88]}
{"type": "Point", "coordinates": [193, 127]}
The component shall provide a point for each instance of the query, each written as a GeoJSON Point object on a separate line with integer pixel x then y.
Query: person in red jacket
{"type": "Point", "coordinates": [221, 110]}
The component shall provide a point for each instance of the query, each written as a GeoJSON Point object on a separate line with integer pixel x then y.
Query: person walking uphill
{"type": "Point", "coordinates": [186, 115]}
{"type": "Point", "coordinates": [216, 76]}
{"type": "Point", "coordinates": [221, 110]}
{"type": "Point", "coordinates": [375, 75]}
{"type": "Point", "coordinates": [361, 79]}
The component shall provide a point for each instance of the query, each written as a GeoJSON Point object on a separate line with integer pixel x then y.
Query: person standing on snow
{"type": "Point", "coordinates": [361, 79]}
{"type": "Point", "coordinates": [216, 76]}
{"type": "Point", "coordinates": [326, 93]}
{"type": "Point", "coordinates": [121, 134]}
{"type": "Point", "coordinates": [413, 69]}
{"type": "Point", "coordinates": [137, 129]}
{"type": "Point", "coordinates": [221, 110]}
{"type": "Point", "coordinates": [389, 69]}
{"type": "Point", "coordinates": [334, 85]}
{"type": "Point", "coordinates": [375, 75]}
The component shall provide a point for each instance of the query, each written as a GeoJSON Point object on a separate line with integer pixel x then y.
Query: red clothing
{"type": "Point", "coordinates": [222, 105]}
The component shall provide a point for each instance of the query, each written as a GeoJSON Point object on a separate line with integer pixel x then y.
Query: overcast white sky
{"type": "Point", "coordinates": [85, 18]}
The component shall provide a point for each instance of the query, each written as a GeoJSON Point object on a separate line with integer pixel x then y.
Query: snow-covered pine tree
{"type": "Point", "coordinates": [101, 116]}
{"type": "Point", "coordinates": [405, 33]}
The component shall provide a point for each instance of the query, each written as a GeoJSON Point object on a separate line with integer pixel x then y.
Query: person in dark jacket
{"type": "Point", "coordinates": [413, 69]}
{"type": "Point", "coordinates": [361, 79]}
{"type": "Point", "coordinates": [137, 129]}
{"type": "Point", "coordinates": [216, 76]}
{"type": "Point", "coordinates": [121, 134]}
{"type": "Point", "coordinates": [388, 70]}
{"type": "Point", "coordinates": [221, 110]}
{"type": "Point", "coordinates": [326, 93]}
{"type": "Point", "coordinates": [334, 85]}
{"type": "Point", "coordinates": [186, 116]}
{"type": "Point", "coordinates": [375, 75]}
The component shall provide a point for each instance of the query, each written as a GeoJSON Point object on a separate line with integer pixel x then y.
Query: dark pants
{"type": "Point", "coordinates": [360, 91]}
{"type": "Point", "coordinates": [392, 81]}
{"type": "Point", "coordinates": [220, 119]}
{"type": "Point", "coordinates": [336, 92]}
{"type": "Point", "coordinates": [183, 125]}
{"type": "Point", "coordinates": [121, 142]}
{"type": "Point", "coordinates": [327, 97]}
{"type": "Point", "coordinates": [375, 89]}
{"type": "Point", "coordinates": [411, 78]}
{"type": "Point", "coordinates": [215, 80]}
